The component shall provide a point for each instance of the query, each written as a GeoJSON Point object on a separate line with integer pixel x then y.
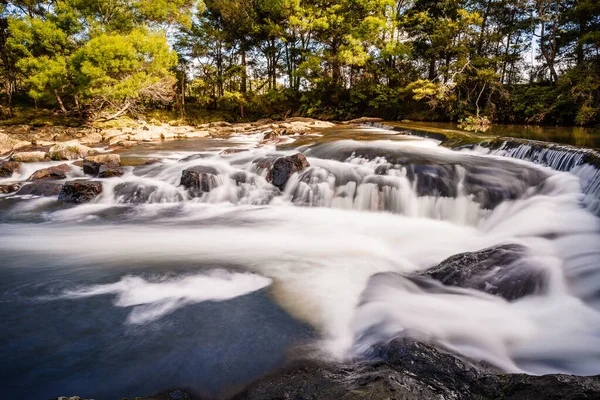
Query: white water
{"type": "Point", "coordinates": [321, 259]}
{"type": "Point", "coordinates": [153, 300]}
{"type": "Point", "coordinates": [560, 158]}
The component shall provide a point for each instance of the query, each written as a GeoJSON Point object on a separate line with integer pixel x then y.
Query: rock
{"type": "Point", "coordinates": [91, 138]}
{"type": "Point", "coordinates": [9, 188]}
{"type": "Point", "coordinates": [232, 151]}
{"type": "Point", "coordinates": [80, 191]}
{"type": "Point", "coordinates": [133, 193]}
{"type": "Point", "coordinates": [219, 124]}
{"type": "Point", "coordinates": [41, 188]}
{"type": "Point", "coordinates": [53, 173]}
{"type": "Point", "coordinates": [284, 167]}
{"type": "Point", "coordinates": [92, 164]}
{"type": "Point", "coordinates": [71, 398]}
{"type": "Point", "coordinates": [71, 150]}
{"type": "Point", "coordinates": [409, 370]}
{"type": "Point", "coordinates": [362, 120]}
{"type": "Point", "coordinates": [501, 270]}
{"type": "Point", "coordinates": [106, 172]}
{"type": "Point", "coordinates": [8, 143]}
{"type": "Point", "coordinates": [8, 168]}
{"type": "Point", "coordinates": [199, 179]}
{"type": "Point", "coordinates": [29, 156]}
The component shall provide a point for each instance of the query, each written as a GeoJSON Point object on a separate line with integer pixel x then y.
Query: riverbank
{"type": "Point", "coordinates": [26, 138]}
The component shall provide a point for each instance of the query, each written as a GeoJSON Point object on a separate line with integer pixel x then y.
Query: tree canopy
{"type": "Point", "coordinates": [532, 61]}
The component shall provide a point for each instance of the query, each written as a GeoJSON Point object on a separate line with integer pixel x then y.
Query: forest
{"type": "Point", "coordinates": [506, 61]}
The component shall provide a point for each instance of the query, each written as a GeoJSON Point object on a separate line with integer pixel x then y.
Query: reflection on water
{"type": "Point", "coordinates": [573, 135]}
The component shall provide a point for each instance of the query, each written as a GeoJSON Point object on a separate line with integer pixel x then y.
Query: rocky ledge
{"type": "Point", "coordinates": [409, 370]}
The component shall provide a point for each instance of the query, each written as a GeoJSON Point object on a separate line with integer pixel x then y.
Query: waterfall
{"type": "Point", "coordinates": [582, 163]}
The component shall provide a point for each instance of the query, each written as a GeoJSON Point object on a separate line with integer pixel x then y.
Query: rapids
{"type": "Point", "coordinates": [323, 249]}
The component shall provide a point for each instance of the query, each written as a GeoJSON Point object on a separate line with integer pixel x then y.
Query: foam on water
{"type": "Point", "coordinates": [151, 300]}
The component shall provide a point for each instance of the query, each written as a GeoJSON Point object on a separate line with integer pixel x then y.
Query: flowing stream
{"type": "Point", "coordinates": [150, 286]}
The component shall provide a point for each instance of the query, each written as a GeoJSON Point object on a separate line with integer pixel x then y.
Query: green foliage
{"type": "Point", "coordinates": [115, 68]}
{"type": "Point", "coordinates": [433, 59]}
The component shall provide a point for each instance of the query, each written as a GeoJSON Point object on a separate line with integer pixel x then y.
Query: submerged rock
{"type": "Point", "coordinates": [409, 370]}
{"type": "Point", "coordinates": [8, 168]}
{"type": "Point", "coordinates": [106, 172]}
{"type": "Point", "coordinates": [41, 188]}
{"type": "Point", "coordinates": [500, 270]}
{"type": "Point", "coordinates": [92, 164]}
{"type": "Point", "coordinates": [53, 173]}
{"type": "Point", "coordinates": [80, 191]}
{"type": "Point", "coordinates": [284, 167]}
{"type": "Point", "coordinates": [134, 193]}
{"type": "Point", "coordinates": [199, 179]}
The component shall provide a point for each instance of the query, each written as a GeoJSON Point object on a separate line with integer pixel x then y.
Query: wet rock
{"type": "Point", "coordinates": [433, 180]}
{"type": "Point", "coordinates": [41, 188]}
{"type": "Point", "coordinates": [9, 188]}
{"type": "Point", "coordinates": [8, 168]}
{"type": "Point", "coordinates": [501, 270]}
{"type": "Point", "coordinates": [92, 164]}
{"type": "Point", "coordinates": [362, 120]}
{"type": "Point", "coordinates": [232, 151]}
{"type": "Point", "coordinates": [80, 191]}
{"type": "Point", "coordinates": [71, 398]}
{"type": "Point", "coordinates": [195, 157]}
{"type": "Point", "coordinates": [106, 172]}
{"type": "Point", "coordinates": [134, 193]}
{"type": "Point", "coordinates": [272, 133]}
{"type": "Point", "coordinates": [284, 167]}
{"type": "Point", "coordinates": [30, 156]}
{"type": "Point", "coordinates": [71, 150]}
{"type": "Point", "coordinates": [53, 173]}
{"type": "Point", "coordinates": [199, 179]}
{"type": "Point", "coordinates": [409, 370]}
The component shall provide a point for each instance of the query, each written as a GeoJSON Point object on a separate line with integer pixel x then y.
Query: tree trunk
{"type": "Point", "coordinates": [60, 103]}
{"type": "Point", "coordinates": [244, 78]}
{"type": "Point", "coordinates": [432, 69]}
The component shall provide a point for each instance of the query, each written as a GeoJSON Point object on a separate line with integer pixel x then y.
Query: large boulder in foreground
{"type": "Point", "coordinates": [41, 188]}
{"type": "Point", "coordinates": [8, 168]}
{"type": "Point", "coordinates": [284, 167]}
{"type": "Point", "coordinates": [199, 179]}
{"type": "Point", "coordinates": [409, 370]}
{"type": "Point", "coordinates": [92, 164]}
{"type": "Point", "coordinates": [53, 173]}
{"type": "Point", "coordinates": [80, 191]}
{"type": "Point", "coordinates": [501, 270]}
{"type": "Point", "coordinates": [71, 150]}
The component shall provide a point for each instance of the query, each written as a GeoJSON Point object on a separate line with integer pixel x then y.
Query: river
{"type": "Point", "coordinates": [149, 287]}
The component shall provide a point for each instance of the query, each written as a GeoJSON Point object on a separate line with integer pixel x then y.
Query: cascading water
{"type": "Point", "coordinates": [583, 163]}
{"type": "Point", "coordinates": [342, 247]}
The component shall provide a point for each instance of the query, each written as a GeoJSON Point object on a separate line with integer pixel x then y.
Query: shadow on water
{"type": "Point", "coordinates": [84, 346]}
